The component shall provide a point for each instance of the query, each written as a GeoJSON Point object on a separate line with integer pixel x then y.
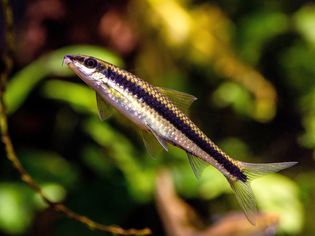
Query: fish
{"type": "Point", "coordinates": [162, 116]}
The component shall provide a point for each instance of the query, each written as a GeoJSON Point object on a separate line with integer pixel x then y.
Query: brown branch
{"type": "Point", "coordinates": [180, 219]}
{"type": "Point", "coordinates": [11, 154]}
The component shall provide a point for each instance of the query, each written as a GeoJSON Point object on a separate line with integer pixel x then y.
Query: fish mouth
{"type": "Point", "coordinates": [71, 62]}
{"type": "Point", "coordinates": [68, 60]}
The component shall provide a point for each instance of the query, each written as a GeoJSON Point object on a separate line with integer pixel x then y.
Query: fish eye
{"type": "Point", "coordinates": [90, 63]}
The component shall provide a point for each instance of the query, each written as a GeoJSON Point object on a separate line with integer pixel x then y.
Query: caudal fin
{"type": "Point", "coordinates": [243, 191]}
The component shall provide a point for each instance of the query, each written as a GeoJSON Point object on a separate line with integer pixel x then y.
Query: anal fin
{"type": "Point", "coordinates": [196, 164]}
{"type": "Point", "coordinates": [153, 147]}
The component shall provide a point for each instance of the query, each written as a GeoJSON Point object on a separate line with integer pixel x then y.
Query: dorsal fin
{"type": "Point", "coordinates": [104, 109]}
{"type": "Point", "coordinates": [180, 99]}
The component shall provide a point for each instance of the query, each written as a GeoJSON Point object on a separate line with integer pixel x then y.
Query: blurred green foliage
{"type": "Point", "coordinates": [17, 207]}
{"type": "Point", "coordinates": [24, 81]}
{"type": "Point", "coordinates": [250, 64]}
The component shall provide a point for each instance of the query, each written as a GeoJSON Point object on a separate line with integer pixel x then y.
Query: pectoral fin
{"type": "Point", "coordinates": [180, 99]}
{"type": "Point", "coordinates": [104, 109]}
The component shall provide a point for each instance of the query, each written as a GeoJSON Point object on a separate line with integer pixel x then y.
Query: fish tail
{"type": "Point", "coordinates": [242, 189]}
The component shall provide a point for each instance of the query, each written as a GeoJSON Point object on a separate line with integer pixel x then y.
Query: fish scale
{"type": "Point", "coordinates": [171, 113]}
{"type": "Point", "coordinates": [155, 112]}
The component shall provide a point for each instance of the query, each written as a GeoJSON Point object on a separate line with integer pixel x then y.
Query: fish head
{"type": "Point", "coordinates": [89, 69]}
{"type": "Point", "coordinates": [106, 79]}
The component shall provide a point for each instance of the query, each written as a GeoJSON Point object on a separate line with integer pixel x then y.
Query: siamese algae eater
{"type": "Point", "coordinates": [161, 114]}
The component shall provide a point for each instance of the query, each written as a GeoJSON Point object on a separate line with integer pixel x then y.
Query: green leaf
{"type": "Point", "coordinates": [257, 29]}
{"type": "Point", "coordinates": [42, 166]}
{"type": "Point", "coordinates": [80, 97]}
{"type": "Point", "coordinates": [277, 194]}
{"type": "Point", "coordinates": [213, 184]}
{"type": "Point", "coordinates": [232, 94]}
{"type": "Point", "coordinates": [16, 208]}
{"type": "Point", "coordinates": [304, 20]}
{"type": "Point", "coordinates": [140, 179]}
{"type": "Point", "coordinates": [54, 192]}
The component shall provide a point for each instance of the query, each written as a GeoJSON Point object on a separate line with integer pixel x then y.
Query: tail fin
{"type": "Point", "coordinates": [243, 191]}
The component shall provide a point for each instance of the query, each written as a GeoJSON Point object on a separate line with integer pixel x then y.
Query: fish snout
{"type": "Point", "coordinates": [67, 59]}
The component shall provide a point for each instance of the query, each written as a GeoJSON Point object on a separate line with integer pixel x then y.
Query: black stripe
{"type": "Point", "coordinates": [173, 119]}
